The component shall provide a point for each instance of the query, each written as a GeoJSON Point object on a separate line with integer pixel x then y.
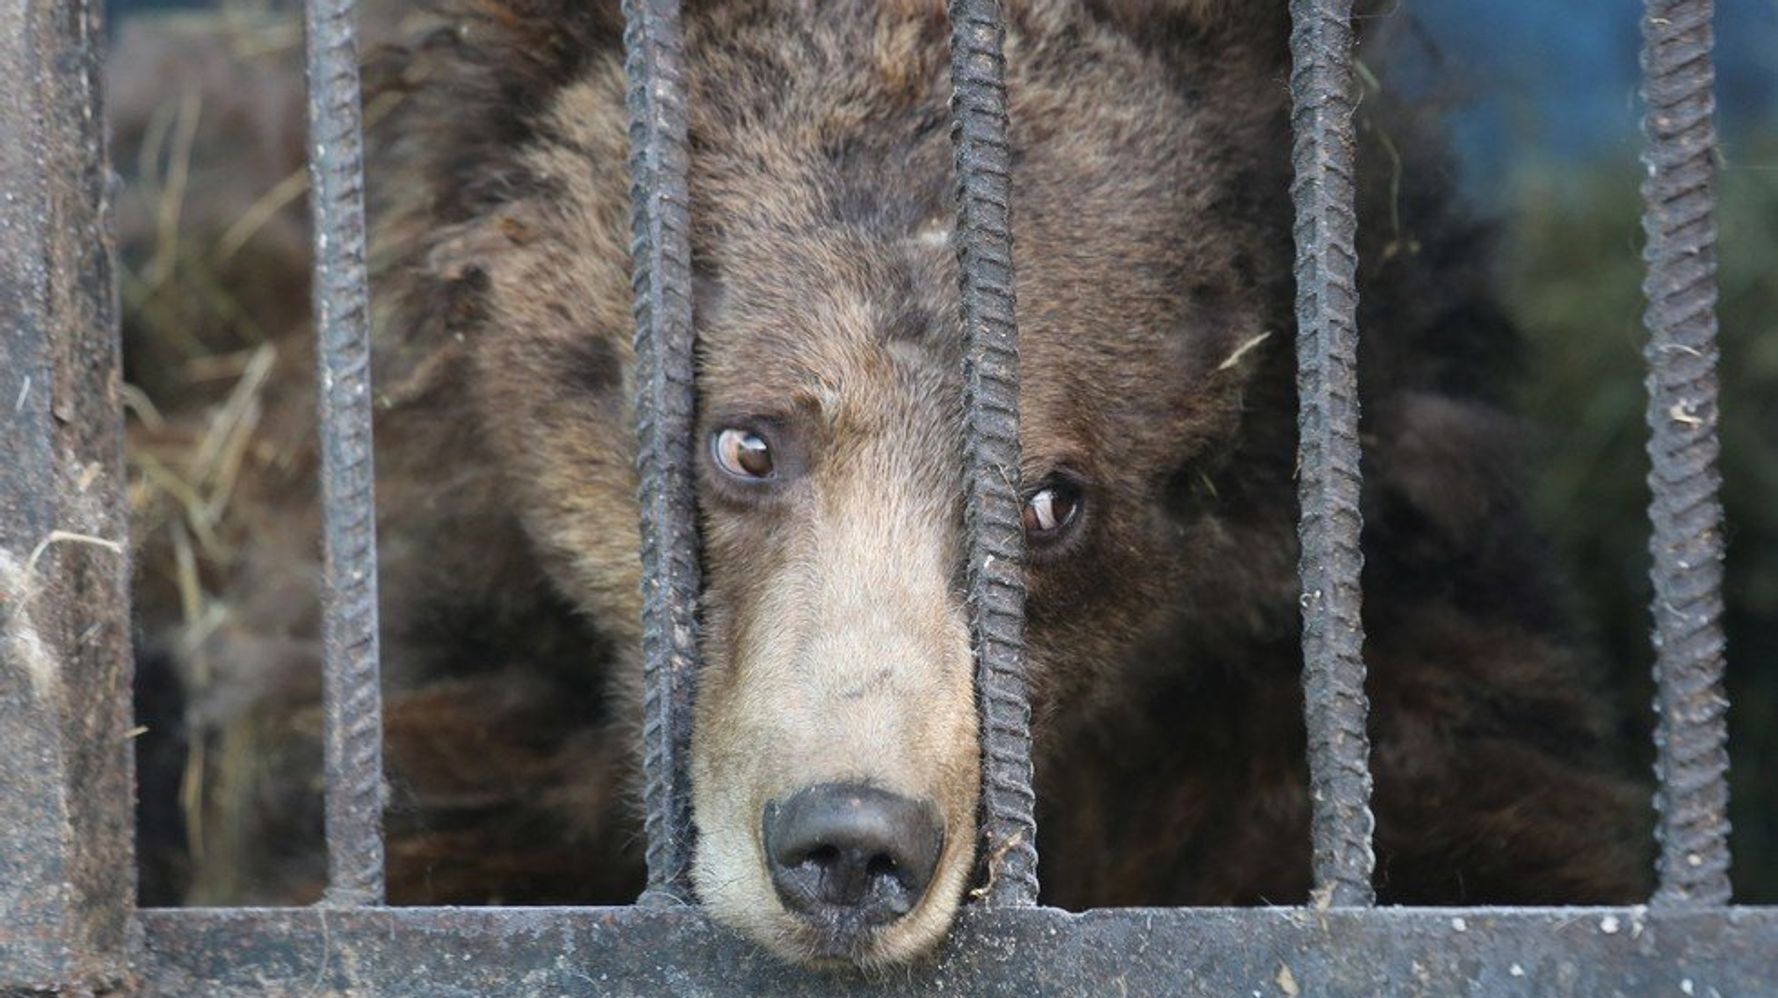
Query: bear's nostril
{"type": "Point", "coordinates": [849, 856]}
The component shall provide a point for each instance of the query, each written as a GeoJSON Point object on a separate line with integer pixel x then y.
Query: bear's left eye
{"type": "Point", "coordinates": [1051, 510]}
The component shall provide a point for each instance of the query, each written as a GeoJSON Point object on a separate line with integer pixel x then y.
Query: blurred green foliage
{"type": "Point", "coordinates": [1572, 275]}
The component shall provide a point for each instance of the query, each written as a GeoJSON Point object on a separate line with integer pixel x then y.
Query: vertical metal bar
{"type": "Point", "coordinates": [1321, 87]}
{"type": "Point", "coordinates": [352, 702]}
{"type": "Point", "coordinates": [1691, 733]}
{"type": "Point", "coordinates": [660, 255]}
{"type": "Point", "coordinates": [995, 535]}
{"type": "Point", "coordinates": [67, 873]}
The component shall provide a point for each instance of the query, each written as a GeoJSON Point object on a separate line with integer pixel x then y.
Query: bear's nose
{"type": "Point", "coordinates": [848, 856]}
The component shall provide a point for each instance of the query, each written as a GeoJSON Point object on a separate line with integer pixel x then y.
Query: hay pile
{"type": "Point", "coordinates": [209, 132]}
{"type": "Point", "coordinates": [208, 136]}
{"type": "Point", "coordinates": [497, 792]}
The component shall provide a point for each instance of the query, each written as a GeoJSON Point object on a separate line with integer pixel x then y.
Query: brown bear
{"type": "Point", "coordinates": [835, 759]}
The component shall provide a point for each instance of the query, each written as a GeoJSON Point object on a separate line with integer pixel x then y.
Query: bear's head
{"type": "Point", "coordinates": [835, 762]}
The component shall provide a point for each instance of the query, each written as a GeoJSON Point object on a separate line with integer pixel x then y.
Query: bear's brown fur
{"type": "Point", "coordinates": [1152, 240]}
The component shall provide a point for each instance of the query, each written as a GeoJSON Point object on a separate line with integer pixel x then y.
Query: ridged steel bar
{"type": "Point", "coordinates": [660, 256]}
{"type": "Point", "coordinates": [1323, 97]}
{"type": "Point", "coordinates": [1691, 733]}
{"type": "Point", "coordinates": [992, 503]}
{"type": "Point", "coordinates": [352, 705]}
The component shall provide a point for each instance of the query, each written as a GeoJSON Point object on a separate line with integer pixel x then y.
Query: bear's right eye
{"type": "Point", "coordinates": [743, 454]}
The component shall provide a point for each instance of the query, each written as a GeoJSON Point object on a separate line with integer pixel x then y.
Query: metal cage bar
{"type": "Point", "coordinates": [352, 705]}
{"type": "Point", "coordinates": [1324, 191]}
{"type": "Point", "coordinates": [660, 254]}
{"type": "Point", "coordinates": [994, 531]}
{"type": "Point", "coordinates": [428, 952]}
{"type": "Point", "coordinates": [66, 781]}
{"type": "Point", "coordinates": [1691, 732]}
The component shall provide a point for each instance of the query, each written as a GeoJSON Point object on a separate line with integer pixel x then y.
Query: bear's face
{"type": "Point", "coordinates": [835, 762]}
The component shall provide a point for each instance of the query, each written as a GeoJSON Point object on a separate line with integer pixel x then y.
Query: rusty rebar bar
{"type": "Point", "coordinates": [352, 706]}
{"type": "Point", "coordinates": [992, 503]}
{"type": "Point", "coordinates": [661, 278]}
{"type": "Point", "coordinates": [1329, 485]}
{"type": "Point", "coordinates": [1691, 733]}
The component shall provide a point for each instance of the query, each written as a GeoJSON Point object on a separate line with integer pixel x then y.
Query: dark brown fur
{"type": "Point", "coordinates": [1153, 244]}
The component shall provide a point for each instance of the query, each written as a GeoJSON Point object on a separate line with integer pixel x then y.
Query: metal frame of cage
{"type": "Point", "coordinates": [66, 873]}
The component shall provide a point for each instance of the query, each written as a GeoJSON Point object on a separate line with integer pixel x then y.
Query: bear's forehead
{"type": "Point", "coordinates": [840, 228]}
{"type": "Point", "coordinates": [853, 328]}
{"type": "Point", "coordinates": [822, 204]}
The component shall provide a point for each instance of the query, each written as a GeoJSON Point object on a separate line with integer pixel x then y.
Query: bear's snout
{"type": "Point", "coordinates": [846, 858]}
